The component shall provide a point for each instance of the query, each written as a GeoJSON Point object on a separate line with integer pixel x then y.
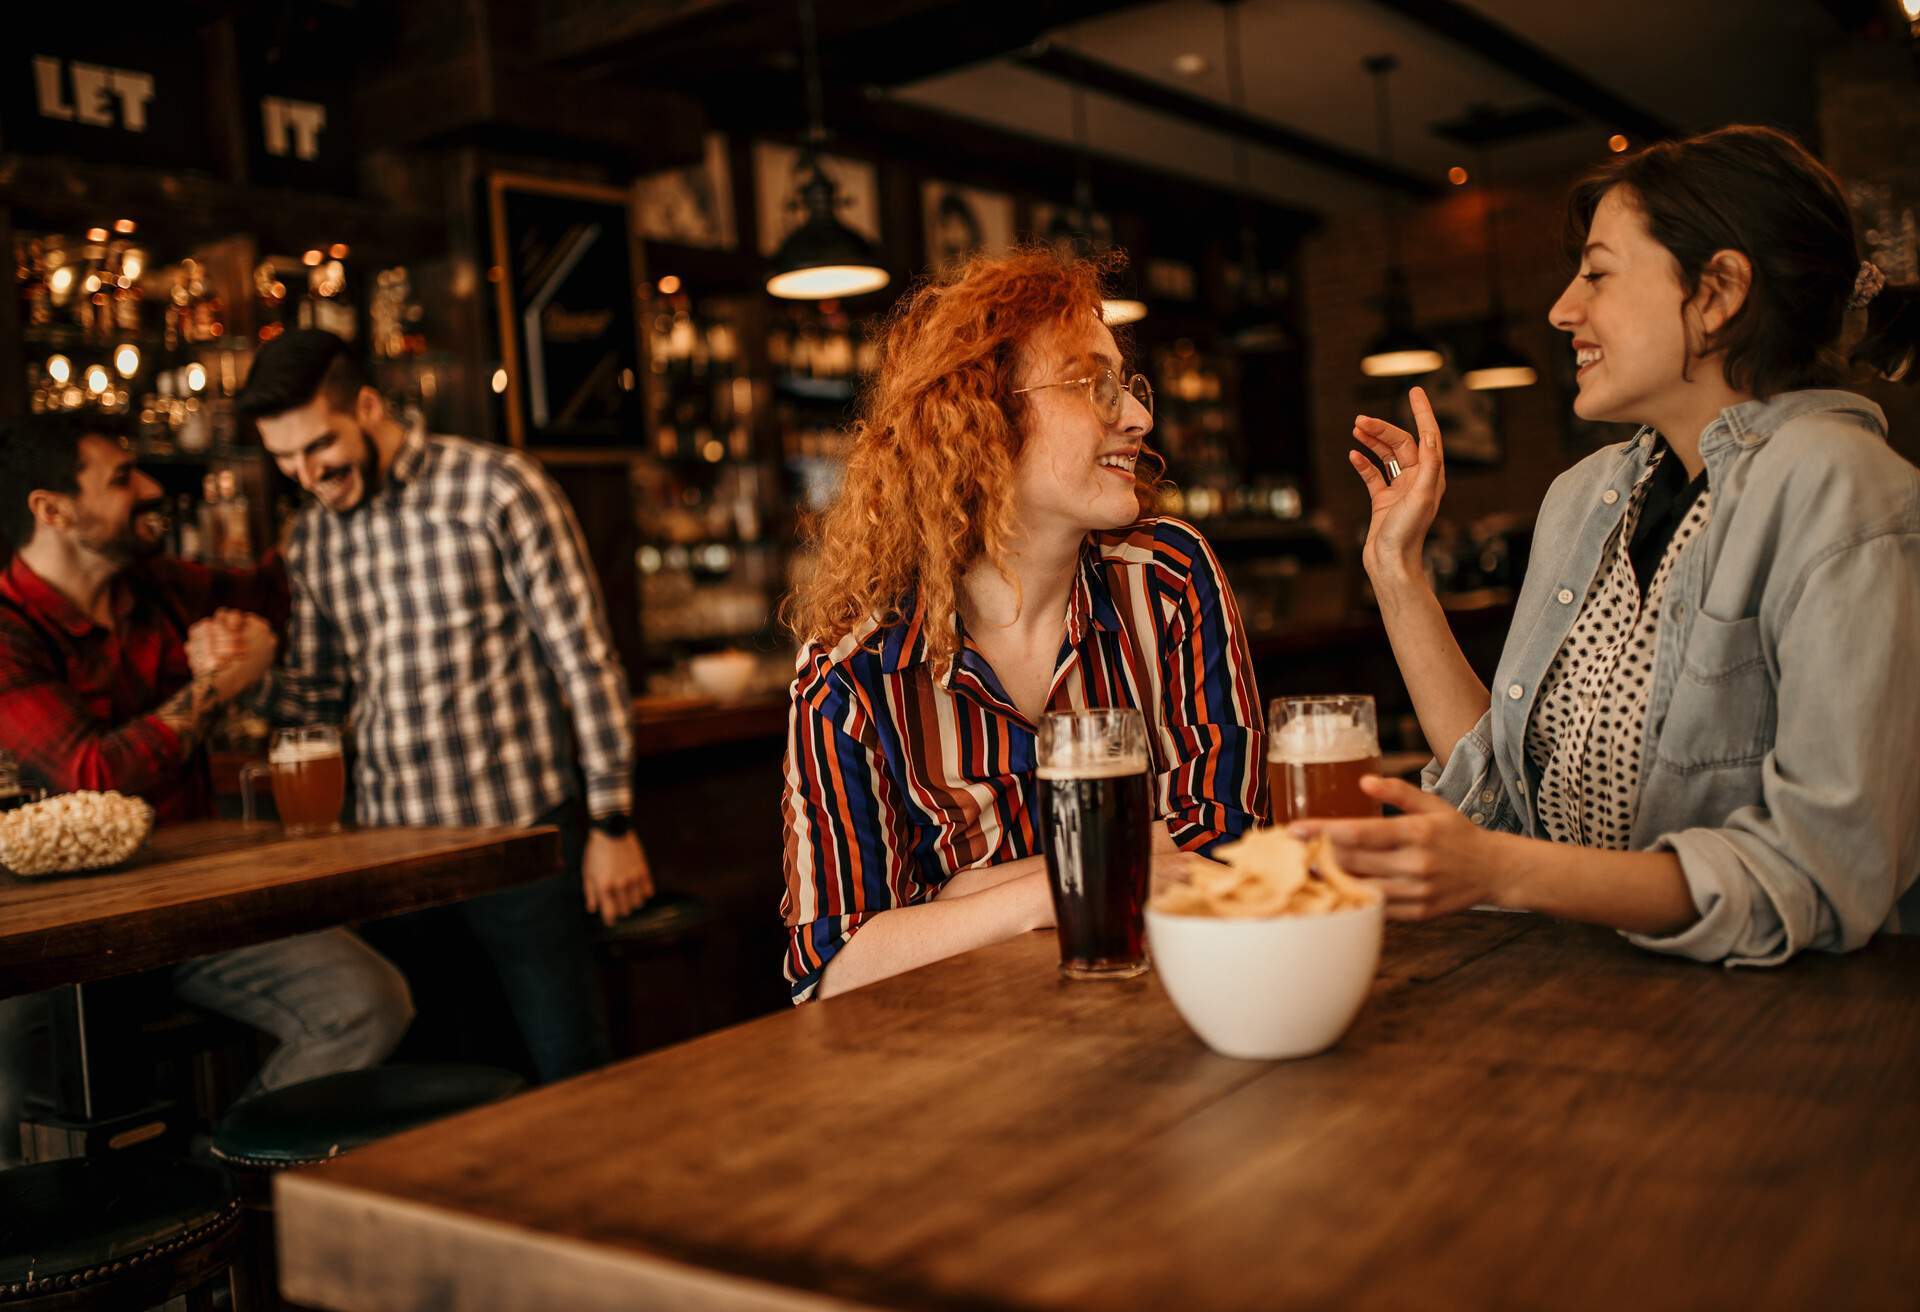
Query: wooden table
{"type": "Point", "coordinates": [1526, 1114]}
{"type": "Point", "coordinates": [212, 885]}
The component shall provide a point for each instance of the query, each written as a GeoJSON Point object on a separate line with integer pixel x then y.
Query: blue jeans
{"type": "Point", "coordinates": [333, 1002]}
{"type": "Point", "coordinates": [536, 939]}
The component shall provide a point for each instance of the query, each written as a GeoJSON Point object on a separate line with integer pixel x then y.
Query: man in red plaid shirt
{"type": "Point", "coordinates": [114, 663]}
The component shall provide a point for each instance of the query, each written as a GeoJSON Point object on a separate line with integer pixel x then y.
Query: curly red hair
{"type": "Point", "coordinates": [928, 487]}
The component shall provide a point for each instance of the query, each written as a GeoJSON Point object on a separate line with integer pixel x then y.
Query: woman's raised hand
{"type": "Point", "coordinates": [1403, 506]}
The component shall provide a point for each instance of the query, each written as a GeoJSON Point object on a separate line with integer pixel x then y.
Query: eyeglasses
{"type": "Point", "coordinates": [1107, 393]}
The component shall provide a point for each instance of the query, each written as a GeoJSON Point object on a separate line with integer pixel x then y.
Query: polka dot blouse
{"type": "Point", "coordinates": [1587, 735]}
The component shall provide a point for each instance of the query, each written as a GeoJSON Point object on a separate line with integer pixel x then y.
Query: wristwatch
{"type": "Point", "coordinates": [618, 824]}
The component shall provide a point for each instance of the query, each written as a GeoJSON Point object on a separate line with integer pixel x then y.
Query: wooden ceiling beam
{"type": "Point", "coordinates": [1465, 27]}
{"type": "Point", "coordinates": [1107, 79]}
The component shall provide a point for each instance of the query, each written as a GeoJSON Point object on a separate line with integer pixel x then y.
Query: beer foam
{"type": "Point", "coordinates": [300, 753]}
{"type": "Point", "coordinates": [1118, 767]}
{"type": "Point", "coordinates": [1321, 740]}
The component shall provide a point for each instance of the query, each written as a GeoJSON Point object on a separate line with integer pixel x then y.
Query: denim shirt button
{"type": "Point", "coordinates": [1565, 596]}
{"type": "Point", "coordinates": [1486, 796]}
{"type": "Point", "coordinates": [1610, 496]}
{"type": "Point", "coordinates": [1477, 818]}
{"type": "Point", "coordinates": [1516, 692]}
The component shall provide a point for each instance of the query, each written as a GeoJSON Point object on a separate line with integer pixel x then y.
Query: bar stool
{"type": "Point", "coordinates": [671, 926]}
{"type": "Point", "coordinates": [317, 1120]}
{"type": "Point", "coordinates": [113, 1233]}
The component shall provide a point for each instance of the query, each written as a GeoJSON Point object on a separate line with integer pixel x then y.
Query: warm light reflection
{"type": "Point", "coordinates": [96, 234]}
{"type": "Point", "coordinates": [1617, 143]}
{"type": "Point", "coordinates": [127, 359]}
{"type": "Point", "coordinates": [196, 377]}
{"type": "Point", "coordinates": [60, 369]}
{"type": "Point", "coordinates": [499, 381]}
{"type": "Point", "coordinates": [1457, 176]}
{"type": "Point", "coordinates": [1121, 310]}
{"type": "Point", "coordinates": [312, 258]}
{"type": "Point", "coordinates": [1396, 364]}
{"type": "Point", "coordinates": [337, 251]}
{"type": "Point", "coordinates": [1493, 380]}
{"type": "Point", "coordinates": [669, 285]}
{"type": "Point", "coordinates": [60, 281]}
{"type": "Point", "coordinates": [97, 380]}
{"type": "Point", "coordinates": [124, 227]}
{"type": "Point", "coordinates": [827, 281]}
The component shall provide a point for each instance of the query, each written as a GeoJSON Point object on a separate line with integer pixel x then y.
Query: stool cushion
{"type": "Point", "coordinates": [318, 1119]}
{"type": "Point", "coordinates": [65, 1224]}
{"type": "Point", "coordinates": [665, 919]}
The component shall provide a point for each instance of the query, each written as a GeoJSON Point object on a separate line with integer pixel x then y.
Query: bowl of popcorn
{"type": "Point", "coordinates": [1269, 953]}
{"type": "Point", "coordinates": [73, 831]}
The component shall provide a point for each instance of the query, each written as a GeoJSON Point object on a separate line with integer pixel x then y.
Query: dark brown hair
{"type": "Point", "coordinates": [1757, 191]}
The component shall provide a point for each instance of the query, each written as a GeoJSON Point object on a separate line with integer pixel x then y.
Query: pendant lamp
{"type": "Point", "coordinates": [1498, 364]}
{"type": "Point", "coordinates": [823, 258]}
{"type": "Point", "coordinates": [1401, 349]}
{"type": "Point", "coordinates": [1074, 225]}
{"type": "Point", "coordinates": [1256, 324]}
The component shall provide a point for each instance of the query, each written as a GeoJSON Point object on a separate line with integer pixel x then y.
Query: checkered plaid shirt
{"type": "Point", "coordinates": [453, 621]}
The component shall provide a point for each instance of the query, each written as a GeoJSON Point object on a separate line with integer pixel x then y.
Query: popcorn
{"type": "Point", "coordinates": [73, 831]}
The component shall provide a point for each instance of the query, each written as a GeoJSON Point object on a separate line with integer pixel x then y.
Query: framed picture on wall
{"type": "Point", "coordinates": [566, 280]}
{"type": "Point", "coordinates": [691, 205]}
{"type": "Point", "coordinates": [1469, 420]}
{"type": "Point", "coordinates": [961, 220]}
{"type": "Point", "coordinates": [777, 195]}
{"type": "Point", "coordinates": [1055, 225]}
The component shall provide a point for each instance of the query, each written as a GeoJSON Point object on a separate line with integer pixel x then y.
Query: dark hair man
{"type": "Point", "coordinates": [443, 604]}
{"type": "Point", "coordinates": [113, 663]}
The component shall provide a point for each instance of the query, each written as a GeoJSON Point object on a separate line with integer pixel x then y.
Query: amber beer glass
{"type": "Point", "coordinates": [1317, 750]}
{"type": "Point", "coordinates": [309, 780]}
{"type": "Point", "coordinates": [1096, 815]}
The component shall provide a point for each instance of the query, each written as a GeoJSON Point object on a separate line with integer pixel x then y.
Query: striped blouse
{"type": "Point", "coordinates": [900, 776]}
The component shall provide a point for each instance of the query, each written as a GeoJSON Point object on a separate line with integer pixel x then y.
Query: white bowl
{"type": "Point", "coordinates": [1278, 986]}
{"type": "Point", "coordinates": [723, 674]}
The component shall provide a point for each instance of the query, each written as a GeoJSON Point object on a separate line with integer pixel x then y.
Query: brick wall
{"type": "Point", "coordinates": [1444, 245]}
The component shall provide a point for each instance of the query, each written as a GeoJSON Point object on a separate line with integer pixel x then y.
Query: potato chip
{"type": "Point", "coordinates": [1267, 872]}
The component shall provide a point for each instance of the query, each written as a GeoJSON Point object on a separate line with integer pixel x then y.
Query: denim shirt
{"type": "Point", "coordinates": [1781, 761]}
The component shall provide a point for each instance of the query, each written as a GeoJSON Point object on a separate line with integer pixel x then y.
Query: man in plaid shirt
{"type": "Point", "coordinates": [444, 608]}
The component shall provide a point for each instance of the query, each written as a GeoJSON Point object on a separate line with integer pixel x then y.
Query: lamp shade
{"type": "Point", "coordinates": [1398, 352]}
{"type": "Point", "coordinates": [823, 258]}
{"type": "Point", "coordinates": [1497, 365]}
{"type": "Point", "coordinates": [1402, 349]}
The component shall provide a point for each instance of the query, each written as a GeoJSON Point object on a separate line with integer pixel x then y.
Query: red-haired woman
{"type": "Point", "coordinates": [991, 557]}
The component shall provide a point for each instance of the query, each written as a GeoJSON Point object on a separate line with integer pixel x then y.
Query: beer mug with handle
{"type": "Point", "coordinates": [308, 777]}
{"type": "Point", "coordinates": [1317, 749]}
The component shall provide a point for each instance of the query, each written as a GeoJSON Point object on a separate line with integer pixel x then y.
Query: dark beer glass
{"type": "Point", "coordinates": [1096, 816]}
{"type": "Point", "coordinates": [1317, 750]}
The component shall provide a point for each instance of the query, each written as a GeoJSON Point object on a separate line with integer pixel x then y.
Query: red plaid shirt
{"type": "Point", "coordinates": [76, 697]}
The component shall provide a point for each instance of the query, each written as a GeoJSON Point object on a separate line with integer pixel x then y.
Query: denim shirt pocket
{"type": "Point", "coordinates": [1722, 711]}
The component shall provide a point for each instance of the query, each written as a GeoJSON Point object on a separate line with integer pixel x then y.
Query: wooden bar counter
{"type": "Point", "coordinates": [1526, 1114]}
{"type": "Point", "coordinates": [211, 885]}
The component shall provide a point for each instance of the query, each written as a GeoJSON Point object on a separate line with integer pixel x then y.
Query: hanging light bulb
{"type": "Point", "coordinates": [1401, 349]}
{"type": "Point", "coordinates": [1255, 324]}
{"type": "Point", "coordinates": [822, 258]}
{"type": "Point", "coordinates": [1073, 228]}
{"type": "Point", "coordinates": [1498, 365]}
